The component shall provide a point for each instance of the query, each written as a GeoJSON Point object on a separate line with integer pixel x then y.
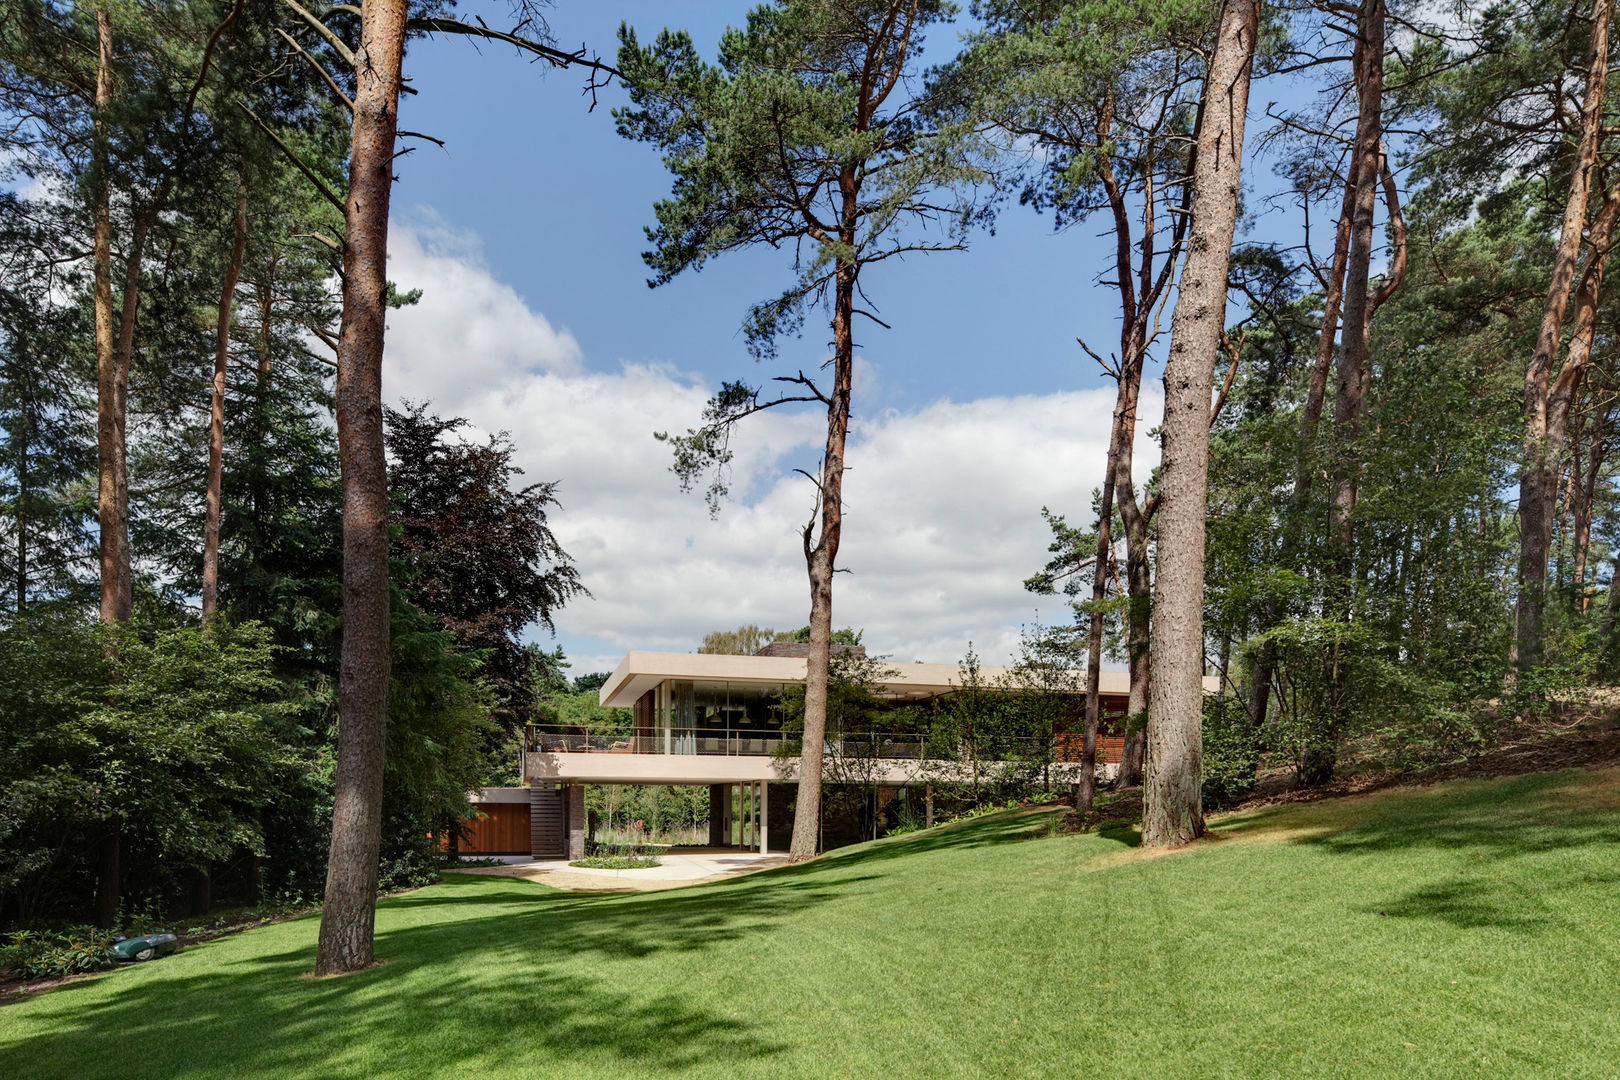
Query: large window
{"type": "Point", "coordinates": [725, 717]}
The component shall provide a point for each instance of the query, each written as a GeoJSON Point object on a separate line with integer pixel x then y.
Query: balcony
{"type": "Point", "coordinates": [719, 742]}
{"type": "Point", "coordinates": [729, 755]}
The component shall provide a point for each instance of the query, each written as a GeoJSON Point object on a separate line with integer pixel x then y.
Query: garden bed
{"type": "Point", "coordinates": [617, 862]}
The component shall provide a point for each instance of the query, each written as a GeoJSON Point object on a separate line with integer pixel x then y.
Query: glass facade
{"type": "Point", "coordinates": [723, 717]}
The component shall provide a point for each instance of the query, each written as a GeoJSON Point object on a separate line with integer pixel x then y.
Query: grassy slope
{"type": "Point", "coordinates": [1460, 931]}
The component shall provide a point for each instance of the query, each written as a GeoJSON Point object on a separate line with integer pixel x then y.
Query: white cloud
{"type": "Point", "coordinates": [468, 330]}
{"type": "Point", "coordinates": [942, 503]}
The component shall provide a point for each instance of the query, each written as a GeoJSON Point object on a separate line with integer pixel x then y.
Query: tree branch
{"type": "Point", "coordinates": [320, 68]}
{"type": "Point", "coordinates": [298, 162]}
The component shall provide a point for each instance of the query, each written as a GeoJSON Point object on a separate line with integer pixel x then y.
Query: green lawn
{"type": "Point", "coordinates": [1466, 930]}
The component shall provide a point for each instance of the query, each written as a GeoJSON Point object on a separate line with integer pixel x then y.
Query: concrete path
{"type": "Point", "coordinates": [680, 867]}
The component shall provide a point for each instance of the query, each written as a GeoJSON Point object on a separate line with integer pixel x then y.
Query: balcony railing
{"type": "Point", "coordinates": [757, 742]}
{"type": "Point", "coordinates": [572, 739]}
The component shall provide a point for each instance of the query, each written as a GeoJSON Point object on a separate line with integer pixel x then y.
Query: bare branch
{"type": "Point", "coordinates": [1112, 369]}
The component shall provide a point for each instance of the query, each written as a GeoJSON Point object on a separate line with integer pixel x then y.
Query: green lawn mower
{"type": "Point", "coordinates": [135, 949]}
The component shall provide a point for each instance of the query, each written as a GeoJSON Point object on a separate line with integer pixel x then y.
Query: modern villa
{"type": "Point", "coordinates": [717, 720]}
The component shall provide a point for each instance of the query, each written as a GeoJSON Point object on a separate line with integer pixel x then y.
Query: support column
{"type": "Point", "coordinates": [764, 817]}
{"type": "Point", "coordinates": [753, 816]}
{"type": "Point", "coordinates": [717, 815]}
{"type": "Point", "coordinates": [728, 833]}
{"type": "Point", "coordinates": [928, 805]}
{"type": "Point", "coordinates": [575, 794]}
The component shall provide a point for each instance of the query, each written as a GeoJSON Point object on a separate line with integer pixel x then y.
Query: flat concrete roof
{"type": "Point", "coordinates": [639, 672]}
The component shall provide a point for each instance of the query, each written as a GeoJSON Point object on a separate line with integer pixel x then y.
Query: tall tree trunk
{"type": "Point", "coordinates": [1541, 452]}
{"type": "Point", "coordinates": [1173, 813]}
{"type": "Point", "coordinates": [1138, 654]}
{"type": "Point", "coordinates": [1087, 788]}
{"type": "Point", "coordinates": [1611, 621]}
{"type": "Point", "coordinates": [1137, 303]}
{"type": "Point", "coordinates": [1138, 576]}
{"type": "Point", "coordinates": [1354, 367]}
{"type": "Point", "coordinates": [264, 294]}
{"type": "Point", "coordinates": [21, 439]}
{"type": "Point", "coordinates": [1354, 372]}
{"type": "Point", "coordinates": [109, 875]}
{"type": "Point", "coordinates": [349, 912]}
{"type": "Point", "coordinates": [1265, 661]}
{"type": "Point", "coordinates": [821, 558]}
{"type": "Point", "coordinates": [216, 410]}
{"type": "Point", "coordinates": [112, 368]}
{"type": "Point", "coordinates": [1585, 499]}
{"type": "Point", "coordinates": [111, 486]}
{"type": "Point", "coordinates": [1566, 387]}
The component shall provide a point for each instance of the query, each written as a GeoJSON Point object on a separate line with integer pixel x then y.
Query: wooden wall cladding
{"type": "Point", "coordinates": [503, 830]}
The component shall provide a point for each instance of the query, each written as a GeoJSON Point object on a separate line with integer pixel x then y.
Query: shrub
{"type": "Point", "coordinates": [617, 862]}
{"type": "Point", "coordinates": [407, 870]}
{"type": "Point", "coordinates": [598, 848]}
{"type": "Point", "coordinates": [37, 954]}
{"type": "Point", "coordinates": [1231, 752]}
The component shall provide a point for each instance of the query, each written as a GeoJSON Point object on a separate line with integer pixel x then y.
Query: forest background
{"type": "Point", "coordinates": [1367, 565]}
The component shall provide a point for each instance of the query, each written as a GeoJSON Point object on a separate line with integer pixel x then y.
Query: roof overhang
{"type": "Point", "coordinates": [639, 672]}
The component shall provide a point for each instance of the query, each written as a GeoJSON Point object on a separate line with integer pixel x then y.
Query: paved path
{"type": "Point", "coordinates": [679, 868]}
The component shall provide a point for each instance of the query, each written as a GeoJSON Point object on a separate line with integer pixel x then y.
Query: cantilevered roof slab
{"type": "Point", "coordinates": [639, 672]}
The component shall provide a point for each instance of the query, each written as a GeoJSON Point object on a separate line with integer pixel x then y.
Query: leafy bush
{"type": "Point", "coordinates": [37, 954]}
{"type": "Point", "coordinates": [407, 870]}
{"type": "Point", "coordinates": [617, 862]}
{"type": "Point", "coordinates": [1231, 752]}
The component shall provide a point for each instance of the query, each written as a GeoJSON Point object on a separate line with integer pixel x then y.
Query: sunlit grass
{"type": "Point", "coordinates": [1467, 930]}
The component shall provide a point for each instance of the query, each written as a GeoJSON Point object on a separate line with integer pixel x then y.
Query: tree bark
{"type": "Point", "coordinates": [1086, 790]}
{"type": "Point", "coordinates": [1585, 498]}
{"type": "Point", "coordinates": [1131, 757]}
{"type": "Point", "coordinates": [1265, 662]}
{"type": "Point", "coordinates": [1541, 450]}
{"type": "Point", "coordinates": [264, 295]}
{"type": "Point", "coordinates": [1138, 653]}
{"type": "Point", "coordinates": [1137, 304]}
{"type": "Point", "coordinates": [348, 914]}
{"type": "Point", "coordinates": [1566, 387]}
{"type": "Point", "coordinates": [216, 410]}
{"type": "Point", "coordinates": [112, 356]}
{"type": "Point", "coordinates": [109, 877]}
{"type": "Point", "coordinates": [1353, 376]}
{"type": "Point", "coordinates": [821, 558]}
{"type": "Point", "coordinates": [22, 438]}
{"type": "Point", "coordinates": [1355, 366]}
{"type": "Point", "coordinates": [117, 594]}
{"type": "Point", "coordinates": [1172, 812]}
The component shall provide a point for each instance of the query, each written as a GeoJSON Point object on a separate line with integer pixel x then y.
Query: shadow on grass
{"type": "Point", "coordinates": [1473, 829]}
{"type": "Point", "coordinates": [1125, 833]}
{"type": "Point", "coordinates": [1473, 902]}
{"type": "Point", "coordinates": [1522, 815]}
{"type": "Point", "coordinates": [476, 967]}
{"type": "Point", "coordinates": [472, 967]}
{"type": "Point", "coordinates": [989, 830]}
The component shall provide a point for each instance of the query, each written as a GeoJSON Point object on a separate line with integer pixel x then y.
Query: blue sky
{"type": "Point", "coordinates": [973, 412]}
{"type": "Point", "coordinates": [560, 202]}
